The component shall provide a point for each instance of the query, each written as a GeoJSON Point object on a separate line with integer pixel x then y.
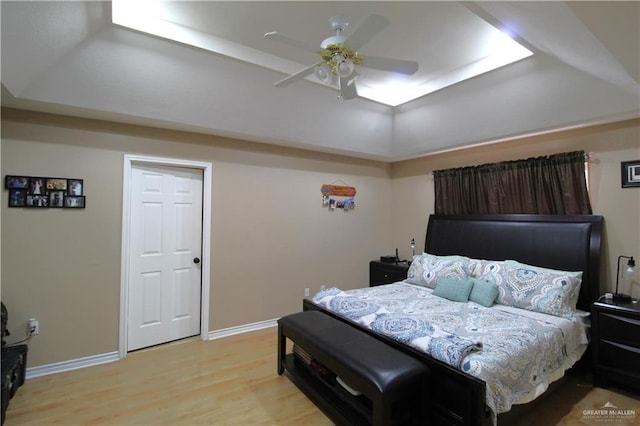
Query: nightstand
{"type": "Point", "coordinates": [386, 273]}
{"type": "Point", "coordinates": [615, 339]}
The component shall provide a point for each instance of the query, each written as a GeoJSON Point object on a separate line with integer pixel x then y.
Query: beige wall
{"type": "Point", "coordinates": [412, 184]}
{"type": "Point", "coordinates": [270, 236]}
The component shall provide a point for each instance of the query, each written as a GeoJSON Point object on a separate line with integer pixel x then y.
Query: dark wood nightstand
{"type": "Point", "coordinates": [386, 273]}
{"type": "Point", "coordinates": [615, 339]}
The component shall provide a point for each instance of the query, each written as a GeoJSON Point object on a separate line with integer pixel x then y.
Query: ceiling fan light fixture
{"type": "Point", "coordinates": [340, 58]}
{"type": "Point", "coordinates": [337, 39]}
{"type": "Point", "coordinates": [344, 68]}
{"type": "Point", "coordinates": [337, 51]}
{"type": "Point", "coordinates": [324, 74]}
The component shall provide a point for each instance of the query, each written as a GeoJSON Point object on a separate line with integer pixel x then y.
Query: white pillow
{"type": "Point", "coordinates": [534, 288]}
{"type": "Point", "coordinates": [426, 269]}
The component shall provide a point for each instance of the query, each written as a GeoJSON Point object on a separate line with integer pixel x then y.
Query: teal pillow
{"type": "Point", "coordinates": [483, 292]}
{"type": "Point", "coordinates": [454, 289]}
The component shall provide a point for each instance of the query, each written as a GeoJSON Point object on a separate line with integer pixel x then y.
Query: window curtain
{"type": "Point", "coordinates": [554, 184]}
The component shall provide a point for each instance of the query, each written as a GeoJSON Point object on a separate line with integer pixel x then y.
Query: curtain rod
{"type": "Point", "coordinates": [588, 156]}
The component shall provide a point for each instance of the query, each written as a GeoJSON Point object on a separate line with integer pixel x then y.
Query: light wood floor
{"type": "Point", "coordinates": [226, 381]}
{"type": "Point", "coordinates": [230, 381]}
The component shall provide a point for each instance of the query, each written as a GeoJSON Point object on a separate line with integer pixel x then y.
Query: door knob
{"type": "Point", "coordinates": [196, 260]}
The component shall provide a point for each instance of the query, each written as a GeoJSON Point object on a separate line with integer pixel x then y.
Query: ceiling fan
{"type": "Point", "coordinates": [339, 56]}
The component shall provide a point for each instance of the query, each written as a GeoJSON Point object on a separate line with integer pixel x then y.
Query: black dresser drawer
{"type": "Point", "coordinates": [615, 332]}
{"type": "Point", "coordinates": [616, 355]}
{"type": "Point", "coordinates": [620, 329]}
{"type": "Point", "coordinates": [386, 273]}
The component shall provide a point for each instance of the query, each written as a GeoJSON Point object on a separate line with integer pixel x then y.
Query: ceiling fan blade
{"type": "Point", "coordinates": [372, 25]}
{"type": "Point", "coordinates": [296, 76]}
{"type": "Point", "coordinates": [348, 89]}
{"type": "Point", "coordinates": [276, 36]}
{"type": "Point", "coordinates": [388, 64]}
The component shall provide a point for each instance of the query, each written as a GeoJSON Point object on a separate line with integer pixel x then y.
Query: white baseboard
{"type": "Point", "coordinates": [72, 364]}
{"type": "Point", "coordinates": [231, 331]}
{"type": "Point", "coordinates": [90, 361]}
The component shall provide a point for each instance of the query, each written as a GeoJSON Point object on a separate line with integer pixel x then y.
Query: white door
{"type": "Point", "coordinates": [165, 248]}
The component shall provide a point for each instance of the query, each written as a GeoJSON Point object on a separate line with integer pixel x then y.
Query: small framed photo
{"type": "Point", "coordinates": [37, 201]}
{"type": "Point", "coordinates": [630, 174]}
{"type": "Point", "coordinates": [17, 197]}
{"type": "Point", "coordinates": [56, 199]}
{"type": "Point", "coordinates": [74, 202]}
{"type": "Point", "coordinates": [56, 184]}
{"type": "Point", "coordinates": [16, 182]}
{"type": "Point", "coordinates": [75, 187]}
{"type": "Point", "coordinates": [37, 186]}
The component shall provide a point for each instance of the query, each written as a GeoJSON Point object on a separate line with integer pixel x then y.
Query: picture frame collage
{"type": "Point", "coordinates": [45, 192]}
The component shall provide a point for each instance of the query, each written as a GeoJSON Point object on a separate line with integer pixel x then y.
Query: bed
{"type": "Point", "coordinates": [461, 391]}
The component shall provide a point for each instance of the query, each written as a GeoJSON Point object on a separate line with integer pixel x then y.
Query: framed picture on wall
{"type": "Point", "coordinates": [56, 199]}
{"type": "Point", "coordinates": [630, 174]}
{"type": "Point", "coordinates": [37, 186]}
{"type": "Point", "coordinates": [11, 182]}
{"type": "Point", "coordinates": [43, 192]}
{"type": "Point", "coordinates": [37, 201]}
{"type": "Point", "coordinates": [75, 187]}
{"type": "Point", "coordinates": [56, 184]}
{"type": "Point", "coordinates": [74, 202]}
{"type": "Point", "coordinates": [17, 197]}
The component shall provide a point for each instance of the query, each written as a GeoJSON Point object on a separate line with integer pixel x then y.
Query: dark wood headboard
{"type": "Point", "coordinates": [564, 242]}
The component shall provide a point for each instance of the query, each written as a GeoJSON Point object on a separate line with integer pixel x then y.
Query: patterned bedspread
{"type": "Point", "coordinates": [413, 331]}
{"type": "Point", "coordinates": [517, 353]}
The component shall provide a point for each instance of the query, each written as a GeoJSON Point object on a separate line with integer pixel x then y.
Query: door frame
{"type": "Point", "coordinates": [206, 167]}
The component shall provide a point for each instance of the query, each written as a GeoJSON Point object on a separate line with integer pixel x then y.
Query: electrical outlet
{"type": "Point", "coordinates": [321, 288]}
{"type": "Point", "coordinates": [306, 292]}
{"type": "Point", "coordinates": [34, 326]}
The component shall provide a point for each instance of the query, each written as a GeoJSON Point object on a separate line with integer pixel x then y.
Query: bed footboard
{"type": "Point", "coordinates": [457, 398]}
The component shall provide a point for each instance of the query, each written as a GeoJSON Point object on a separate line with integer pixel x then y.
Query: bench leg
{"type": "Point", "coordinates": [381, 411]}
{"type": "Point", "coordinates": [282, 341]}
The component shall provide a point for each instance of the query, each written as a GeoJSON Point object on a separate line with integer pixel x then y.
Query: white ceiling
{"type": "Point", "coordinates": [69, 58]}
{"type": "Point", "coordinates": [461, 44]}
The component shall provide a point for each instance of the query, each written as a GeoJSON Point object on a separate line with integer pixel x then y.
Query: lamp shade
{"type": "Point", "coordinates": [324, 74]}
{"type": "Point", "coordinates": [627, 277]}
{"type": "Point", "coordinates": [630, 270]}
{"type": "Point", "coordinates": [344, 68]}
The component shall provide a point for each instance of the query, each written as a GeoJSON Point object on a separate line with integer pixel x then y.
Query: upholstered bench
{"type": "Point", "coordinates": [380, 372]}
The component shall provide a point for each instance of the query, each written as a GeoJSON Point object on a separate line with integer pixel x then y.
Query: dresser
{"type": "Point", "coordinates": [14, 367]}
{"type": "Point", "coordinates": [385, 273]}
{"type": "Point", "coordinates": [615, 333]}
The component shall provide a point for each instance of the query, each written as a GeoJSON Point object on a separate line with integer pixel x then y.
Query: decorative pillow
{"type": "Point", "coordinates": [483, 292]}
{"type": "Point", "coordinates": [454, 289]}
{"type": "Point", "coordinates": [533, 288]}
{"type": "Point", "coordinates": [426, 269]}
{"type": "Point", "coordinates": [490, 271]}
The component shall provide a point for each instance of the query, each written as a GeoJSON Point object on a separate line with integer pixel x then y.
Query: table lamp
{"type": "Point", "coordinates": [627, 276]}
